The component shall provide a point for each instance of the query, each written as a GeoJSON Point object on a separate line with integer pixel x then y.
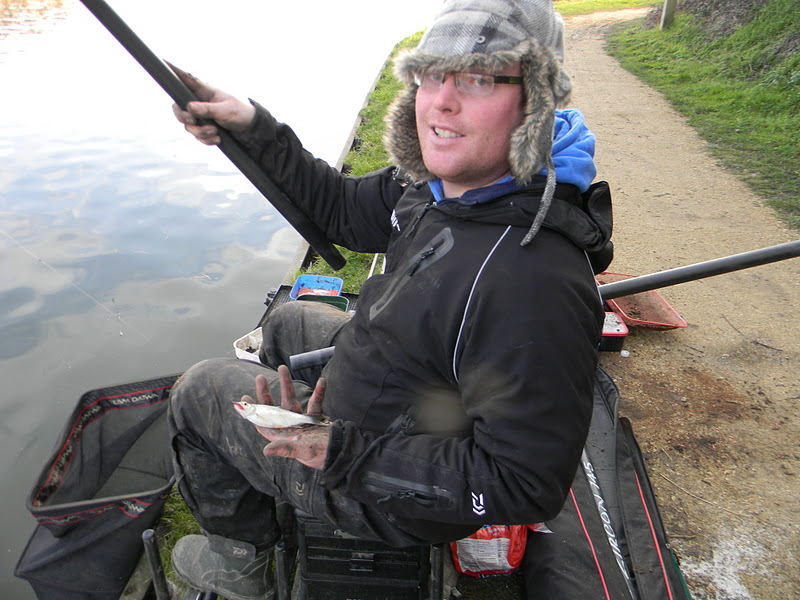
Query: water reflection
{"type": "Point", "coordinates": [79, 233]}
{"type": "Point", "coordinates": [29, 16]}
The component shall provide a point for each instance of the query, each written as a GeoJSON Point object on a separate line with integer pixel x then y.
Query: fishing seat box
{"type": "Point", "coordinates": [333, 565]}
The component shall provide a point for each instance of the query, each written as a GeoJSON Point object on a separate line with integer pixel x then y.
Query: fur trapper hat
{"type": "Point", "coordinates": [487, 35]}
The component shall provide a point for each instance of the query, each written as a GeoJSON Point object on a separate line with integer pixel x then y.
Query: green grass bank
{"type": "Point", "coordinates": [736, 78]}
{"type": "Point", "coordinates": [568, 8]}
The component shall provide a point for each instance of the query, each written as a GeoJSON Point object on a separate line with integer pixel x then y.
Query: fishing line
{"type": "Point", "coordinates": [73, 285]}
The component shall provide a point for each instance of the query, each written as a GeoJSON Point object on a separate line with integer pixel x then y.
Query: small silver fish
{"type": "Point", "coordinates": [274, 417]}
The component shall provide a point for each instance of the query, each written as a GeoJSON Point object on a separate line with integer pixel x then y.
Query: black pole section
{"type": "Point", "coordinates": [312, 358]}
{"type": "Point", "coordinates": [701, 270]}
{"type": "Point", "coordinates": [154, 560]}
{"type": "Point", "coordinates": [178, 91]}
{"type": "Point", "coordinates": [282, 573]}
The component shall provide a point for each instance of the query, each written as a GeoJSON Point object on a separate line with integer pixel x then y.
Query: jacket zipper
{"type": "Point", "coordinates": [378, 484]}
{"type": "Point", "coordinates": [418, 218]}
{"type": "Point", "coordinates": [402, 424]}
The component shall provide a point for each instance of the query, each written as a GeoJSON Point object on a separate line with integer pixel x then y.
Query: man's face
{"type": "Point", "coordinates": [464, 138]}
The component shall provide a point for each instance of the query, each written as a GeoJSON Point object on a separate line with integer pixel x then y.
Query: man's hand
{"type": "Point", "coordinates": [226, 110]}
{"type": "Point", "coordinates": [309, 445]}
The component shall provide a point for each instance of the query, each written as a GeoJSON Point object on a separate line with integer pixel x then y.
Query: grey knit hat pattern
{"type": "Point", "coordinates": [487, 35]}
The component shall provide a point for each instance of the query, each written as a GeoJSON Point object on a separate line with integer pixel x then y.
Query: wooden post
{"type": "Point", "coordinates": [668, 13]}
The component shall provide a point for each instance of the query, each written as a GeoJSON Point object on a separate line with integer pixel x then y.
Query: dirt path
{"type": "Point", "coordinates": [715, 406]}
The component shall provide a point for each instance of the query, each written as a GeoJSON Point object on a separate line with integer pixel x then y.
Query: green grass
{"type": "Point", "coordinates": [366, 156]}
{"type": "Point", "coordinates": [176, 521]}
{"type": "Point", "coordinates": [741, 93]}
{"type": "Point", "coordinates": [569, 8]}
{"type": "Point", "coordinates": [370, 155]}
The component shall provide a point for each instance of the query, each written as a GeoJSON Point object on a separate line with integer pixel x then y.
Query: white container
{"type": "Point", "coordinates": [247, 346]}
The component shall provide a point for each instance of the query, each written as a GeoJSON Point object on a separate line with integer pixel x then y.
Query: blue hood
{"type": "Point", "coordinates": [573, 150]}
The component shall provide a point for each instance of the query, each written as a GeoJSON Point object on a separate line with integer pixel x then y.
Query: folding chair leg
{"type": "Point", "coordinates": [437, 571]}
{"type": "Point", "coordinates": [154, 561]}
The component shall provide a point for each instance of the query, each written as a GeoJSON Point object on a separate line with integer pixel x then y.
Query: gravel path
{"type": "Point", "coordinates": [715, 406]}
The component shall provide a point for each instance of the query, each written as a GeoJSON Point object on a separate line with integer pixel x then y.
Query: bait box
{"type": "Point", "coordinates": [339, 302]}
{"type": "Point", "coordinates": [614, 333]}
{"type": "Point", "coordinates": [320, 285]}
{"type": "Point", "coordinates": [280, 296]}
{"type": "Point", "coordinates": [247, 346]}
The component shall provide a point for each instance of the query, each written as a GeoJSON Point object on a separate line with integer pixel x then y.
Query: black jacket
{"type": "Point", "coordinates": [462, 387]}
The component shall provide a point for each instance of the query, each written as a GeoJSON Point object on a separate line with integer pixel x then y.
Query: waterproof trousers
{"type": "Point", "coordinates": [222, 474]}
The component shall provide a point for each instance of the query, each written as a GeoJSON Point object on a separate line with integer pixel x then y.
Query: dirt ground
{"type": "Point", "coordinates": [716, 405]}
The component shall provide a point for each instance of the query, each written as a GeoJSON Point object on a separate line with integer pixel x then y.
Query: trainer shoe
{"type": "Point", "coordinates": [230, 569]}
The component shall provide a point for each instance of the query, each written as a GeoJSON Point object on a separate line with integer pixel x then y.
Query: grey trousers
{"type": "Point", "coordinates": [222, 474]}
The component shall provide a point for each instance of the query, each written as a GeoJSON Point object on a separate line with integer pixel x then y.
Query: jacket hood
{"type": "Point", "coordinates": [585, 218]}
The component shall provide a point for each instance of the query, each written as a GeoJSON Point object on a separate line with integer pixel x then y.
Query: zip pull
{"type": "Point", "coordinates": [421, 214]}
{"type": "Point", "coordinates": [423, 255]}
{"type": "Point", "coordinates": [391, 488]}
{"type": "Point", "coordinates": [403, 423]}
{"type": "Point", "coordinates": [423, 499]}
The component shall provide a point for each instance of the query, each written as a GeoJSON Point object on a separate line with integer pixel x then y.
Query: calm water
{"type": "Point", "coordinates": [127, 250]}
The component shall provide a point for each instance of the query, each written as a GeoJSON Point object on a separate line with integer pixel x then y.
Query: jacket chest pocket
{"type": "Point", "coordinates": [417, 260]}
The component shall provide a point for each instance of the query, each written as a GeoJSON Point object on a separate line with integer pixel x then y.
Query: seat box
{"type": "Point", "coordinates": [334, 565]}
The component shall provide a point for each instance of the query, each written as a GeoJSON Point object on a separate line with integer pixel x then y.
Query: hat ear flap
{"type": "Point", "coordinates": [532, 141]}
{"type": "Point", "coordinates": [401, 139]}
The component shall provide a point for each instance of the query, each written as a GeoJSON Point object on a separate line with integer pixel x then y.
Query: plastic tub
{"type": "Point", "coordinates": [614, 332]}
{"type": "Point", "coordinates": [339, 302]}
{"type": "Point", "coordinates": [247, 346]}
{"type": "Point", "coordinates": [319, 285]}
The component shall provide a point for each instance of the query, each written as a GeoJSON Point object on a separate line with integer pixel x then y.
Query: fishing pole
{"type": "Point", "coordinates": [181, 94]}
{"type": "Point", "coordinates": [718, 266]}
